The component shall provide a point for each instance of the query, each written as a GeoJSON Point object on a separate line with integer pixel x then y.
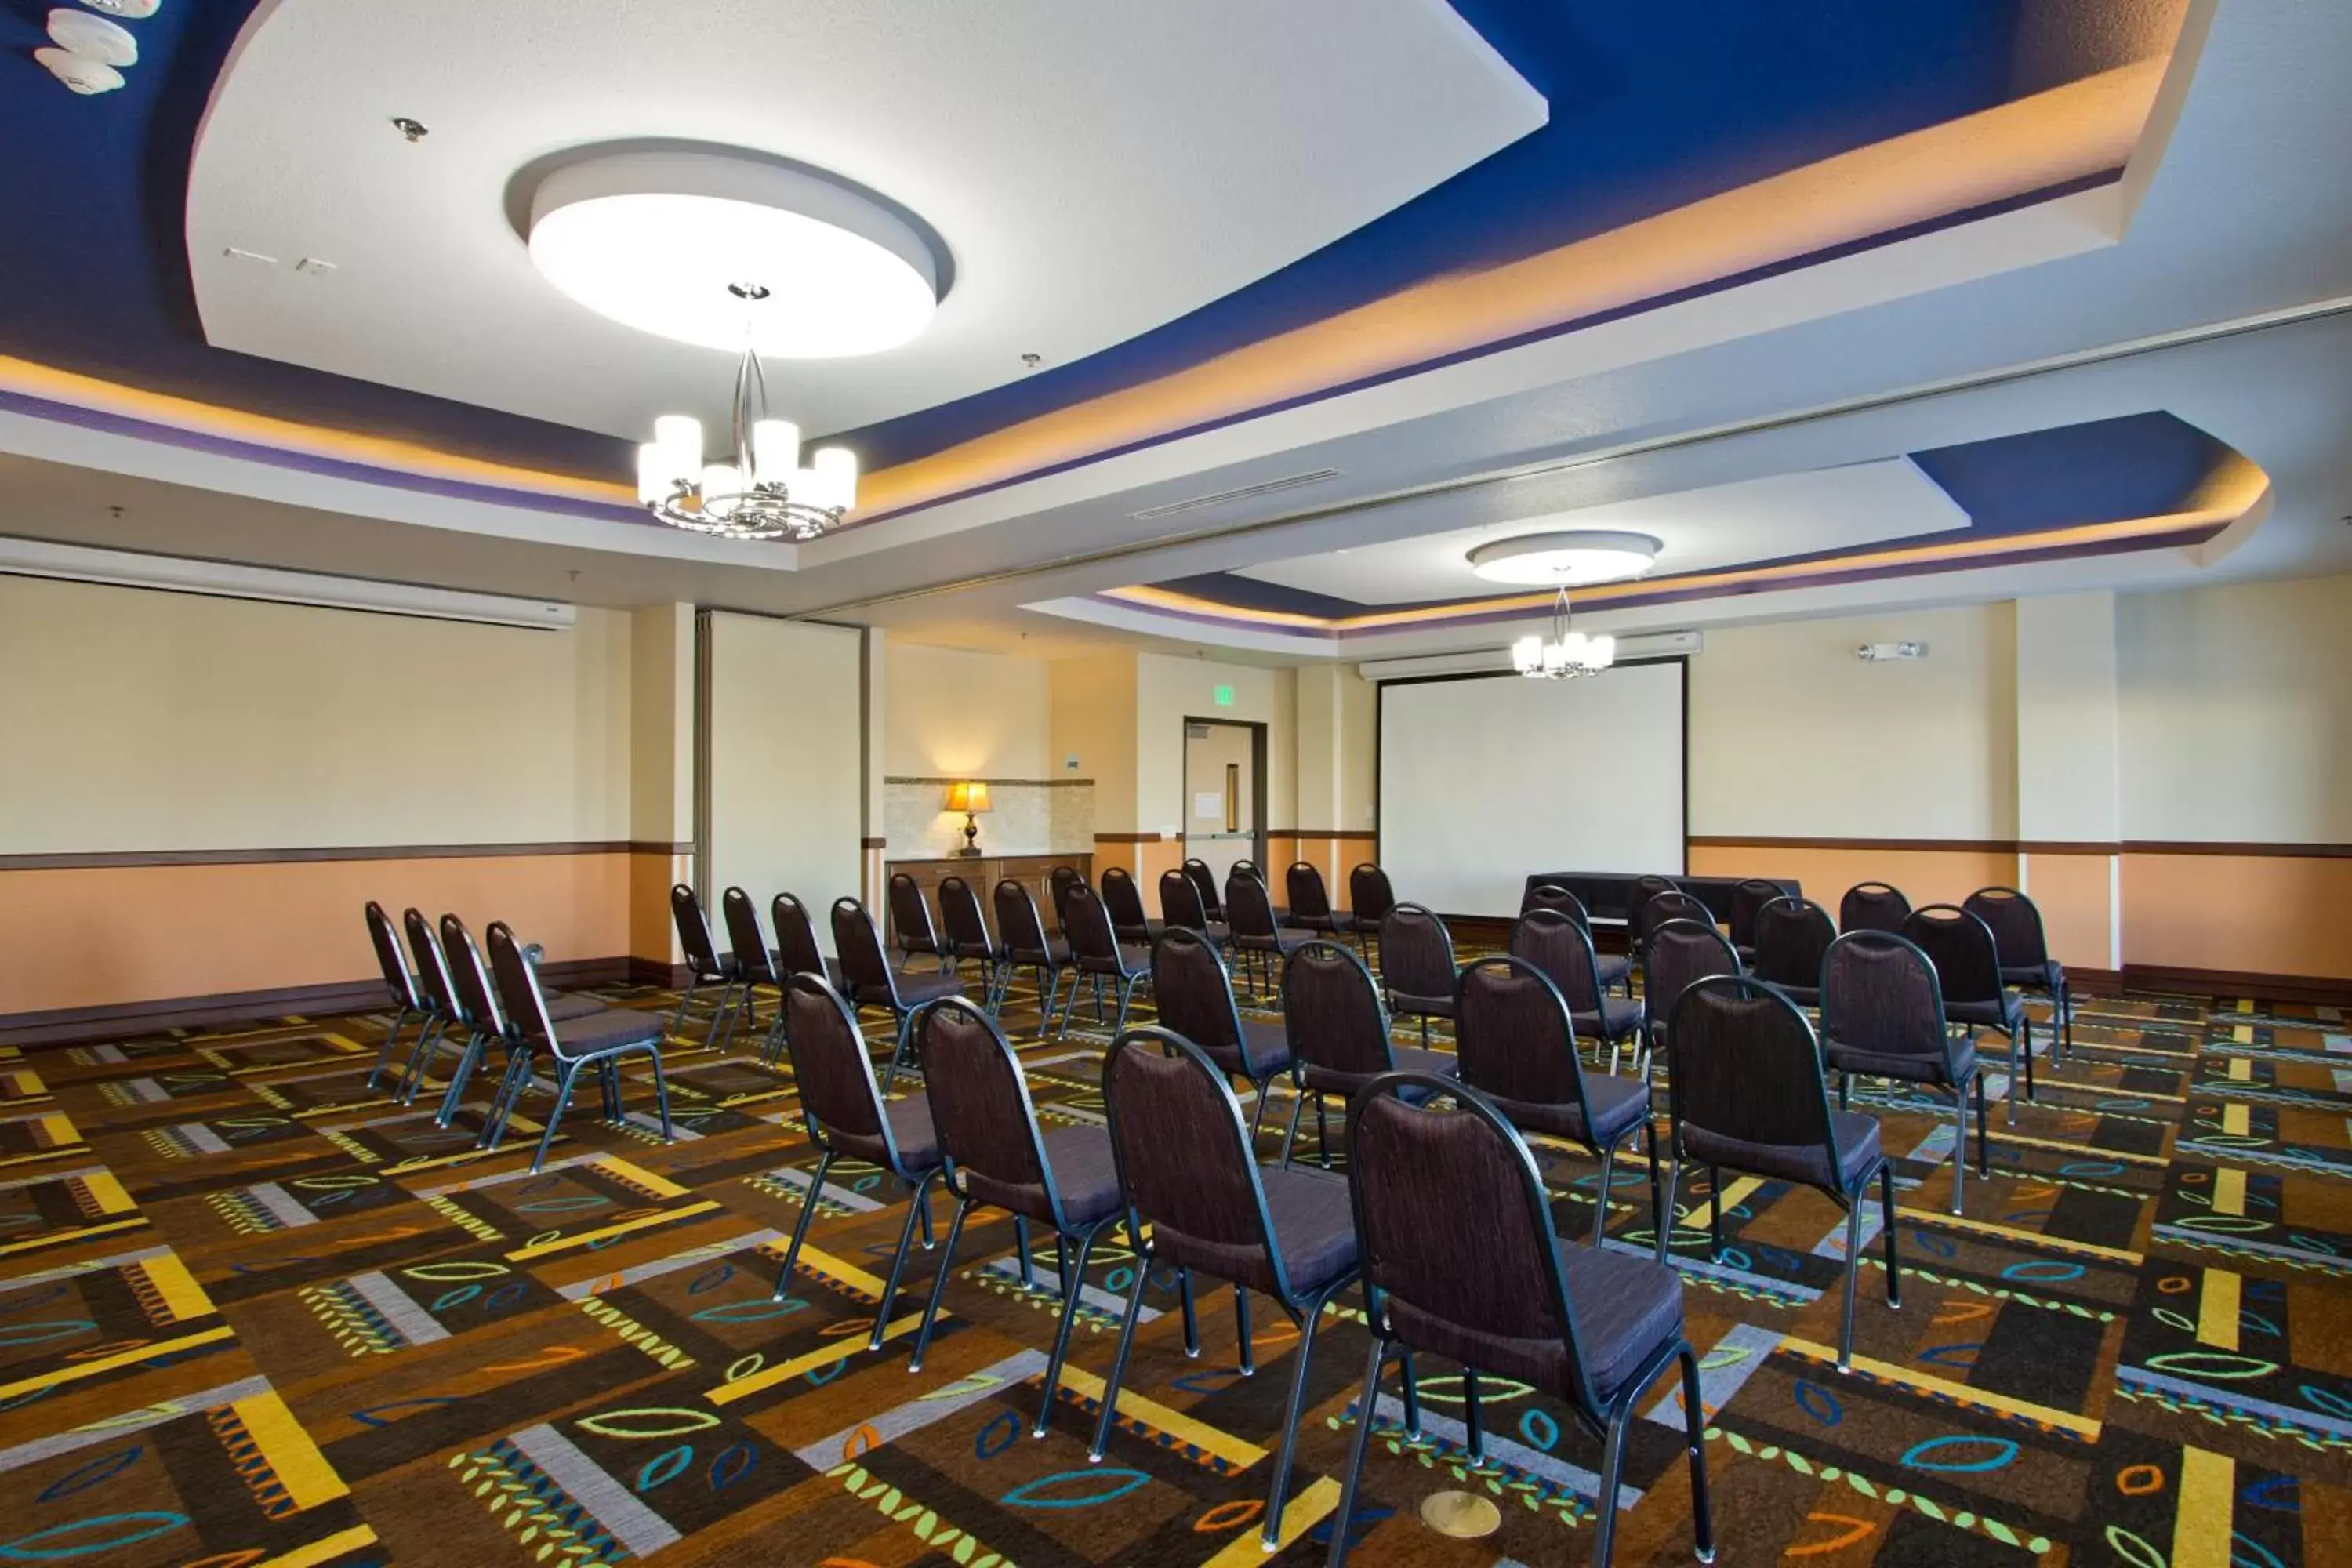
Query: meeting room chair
{"type": "Point", "coordinates": [873, 982]}
{"type": "Point", "coordinates": [2025, 961]}
{"type": "Point", "coordinates": [1259, 938]}
{"type": "Point", "coordinates": [1747, 1091]}
{"type": "Point", "coordinates": [408, 998]}
{"type": "Point", "coordinates": [1204, 882]}
{"type": "Point", "coordinates": [1791, 937]}
{"type": "Point", "coordinates": [1562, 951]}
{"type": "Point", "coordinates": [1460, 1259]}
{"type": "Point", "coordinates": [1872, 906]}
{"type": "Point", "coordinates": [1417, 966]}
{"type": "Point", "coordinates": [1748, 896]}
{"type": "Point", "coordinates": [1124, 900]}
{"type": "Point", "coordinates": [1369, 899]}
{"type": "Point", "coordinates": [1883, 1016]}
{"type": "Point", "coordinates": [705, 966]}
{"type": "Point", "coordinates": [1181, 910]}
{"type": "Point", "coordinates": [910, 921]}
{"type": "Point", "coordinates": [1337, 1029]}
{"type": "Point", "coordinates": [1027, 944]}
{"type": "Point", "coordinates": [759, 962]}
{"type": "Point", "coordinates": [1641, 891]}
{"type": "Point", "coordinates": [1097, 953]}
{"type": "Point", "coordinates": [1189, 1171]}
{"type": "Point", "coordinates": [1194, 997]}
{"type": "Point", "coordinates": [796, 949]}
{"type": "Point", "coordinates": [439, 992]}
{"type": "Point", "coordinates": [1310, 902]}
{"type": "Point", "coordinates": [1968, 968]}
{"type": "Point", "coordinates": [846, 1116]}
{"type": "Point", "coordinates": [599, 1041]}
{"type": "Point", "coordinates": [997, 1155]}
{"type": "Point", "coordinates": [486, 1023]}
{"type": "Point", "coordinates": [1616, 969]}
{"type": "Point", "coordinates": [1679, 954]}
{"type": "Point", "coordinates": [969, 939]}
{"type": "Point", "coordinates": [1673, 904]}
{"type": "Point", "coordinates": [1515, 1045]}
{"type": "Point", "coordinates": [1058, 883]}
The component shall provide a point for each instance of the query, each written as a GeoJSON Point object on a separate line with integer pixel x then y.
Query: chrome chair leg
{"type": "Point", "coordinates": [939, 1285]}
{"type": "Point", "coordinates": [1342, 1521]}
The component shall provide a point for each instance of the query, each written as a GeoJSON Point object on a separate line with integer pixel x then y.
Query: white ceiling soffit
{"type": "Point", "coordinates": [1701, 529]}
{"type": "Point", "coordinates": [1092, 171]}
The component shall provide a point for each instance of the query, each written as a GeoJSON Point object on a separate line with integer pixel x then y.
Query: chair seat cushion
{"type": "Point", "coordinates": [1619, 1104]}
{"type": "Point", "coordinates": [1322, 924]}
{"type": "Point", "coordinates": [1408, 1058]}
{"type": "Point", "coordinates": [1085, 1171]}
{"type": "Point", "coordinates": [1286, 939]}
{"type": "Point", "coordinates": [2006, 1014]}
{"type": "Point", "coordinates": [1056, 952]}
{"type": "Point", "coordinates": [1857, 1140]}
{"type": "Point", "coordinates": [1268, 1046]}
{"type": "Point", "coordinates": [1314, 1225]}
{"type": "Point", "coordinates": [1612, 969]}
{"type": "Point", "coordinates": [614, 1028]}
{"type": "Point", "coordinates": [2040, 977]}
{"type": "Point", "coordinates": [1910, 1066]}
{"type": "Point", "coordinates": [565, 1006]}
{"type": "Point", "coordinates": [1405, 1004]}
{"type": "Point", "coordinates": [910, 1126]}
{"type": "Point", "coordinates": [1619, 1016]}
{"type": "Point", "coordinates": [1148, 932]}
{"type": "Point", "coordinates": [914, 990]}
{"type": "Point", "coordinates": [1627, 1307]}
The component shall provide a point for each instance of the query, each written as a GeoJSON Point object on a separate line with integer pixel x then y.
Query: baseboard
{"type": "Point", "coordinates": [115, 1021]}
{"type": "Point", "coordinates": [2325, 990]}
{"type": "Point", "coordinates": [662, 977]}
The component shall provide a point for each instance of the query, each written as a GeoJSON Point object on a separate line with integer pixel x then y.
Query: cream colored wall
{"type": "Point", "coordinates": [2067, 733]}
{"type": "Point", "coordinates": [1091, 716]}
{"type": "Point", "coordinates": [661, 724]}
{"type": "Point", "coordinates": [1338, 716]}
{"type": "Point", "coordinates": [138, 720]}
{"type": "Point", "coordinates": [949, 713]}
{"type": "Point", "coordinates": [1792, 736]}
{"type": "Point", "coordinates": [1168, 691]}
{"type": "Point", "coordinates": [2236, 712]}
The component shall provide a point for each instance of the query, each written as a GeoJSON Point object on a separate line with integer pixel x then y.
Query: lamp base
{"type": "Point", "coordinates": [970, 849]}
{"type": "Point", "coordinates": [969, 852]}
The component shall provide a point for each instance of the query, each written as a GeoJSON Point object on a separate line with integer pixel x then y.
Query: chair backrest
{"type": "Point", "coordinates": [398, 977]}
{"type": "Point", "coordinates": [1308, 898]}
{"type": "Point", "coordinates": [433, 977]}
{"type": "Point", "coordinates": [1017, 924]}
{"type": "Point", "coordinates": [1125, 901]}
{"type": "Point", "coordinates": [1086, 925]}
{"type": "Point", "coordinates": [796, 948]}
{"type": "Point", "coordinates": [1790, 936]}
{"type": "Point", "coordinates": [1872, 906]}
{"type": "Point", "coordinates": [980, 1108]}
{"type": "Point", "coordinates": [1880, 994]}
{"type": "Point", "coordinates": [1204, 883]}
{"type": "Point", "coordinates": [1369, 894]}
{"type": "Point", "coordinates": [744, 935]}
{"type": "Point", "coordinates": [1185, 1164]}
{"type": "Point", "coordinates": [1194, 997]}
{"type": "Point", "coordinates": [1416, 954]}
{"type": "Point", "coordinates": [1454, 1221]}
{"type": "Point", "coordinates": [1552, 896]}
{"type": "Point", "coordinates": [471, 977]}
{"type": "Point", "coordinates": [1962, 947]}
{"type": "Point", "coordinates": [1673, 904]}
{"type": "Point", "coordinates": [1247, 868]}
{"type": "Point", "coordinates": [966, 921]}
{"type": "Point", "coordinates": [1332, 1011]}
{"type": "Point", "coordinates": [1180, 903]}
{"type": "Point", "coordinates": [830, 1067]}
{"type": "Point", "coordinates": [1747, 897]}
{"type": "Point", "coordinates": [865, 967]}
{"type": "Point", "coordinates": [1248, 909]}
{"type": "Point", "coordinates": [1678, 954]}
{"type": "Point", "coordinates": [1513, 1035]}
{"type": "Point", "coordinates": [1058, 883]}
{"type": "Point", "coordinates": [1744, 1065]}
{"type": "Point", "coordinates": [2016, 926]}
{"type": "Point", "coordinates": [1562, 951]}
{"type": "Point", "coordinates": [518, 991]}
{"type": "Point", "coordinates": [1642, 891]}
{"type": "Point", "coordinates": [694, 933]}
{"type": "Point", "coordinates": [910, 914]}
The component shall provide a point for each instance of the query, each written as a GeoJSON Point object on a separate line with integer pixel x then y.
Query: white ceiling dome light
{"type": "Point", "coordinates": [672, 243]}
{"type": "Point", "coordinates": [1573, 559]}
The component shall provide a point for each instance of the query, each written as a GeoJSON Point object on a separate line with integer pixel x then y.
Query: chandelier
{"type": "Point", "coordinates": [1565, 655]}
{"type": "Point", "coordinates": [760, 490]}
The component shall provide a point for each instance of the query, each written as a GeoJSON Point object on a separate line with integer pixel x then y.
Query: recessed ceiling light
{"type": "Point", "coordinates": [1572, 559]}
{"type": "Point", "coordinates": [729, 252]}
{"type": "Point", "coordinates": [93, 37]}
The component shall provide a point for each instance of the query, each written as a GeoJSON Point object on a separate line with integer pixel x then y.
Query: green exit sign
{"type": "Point", "coordinates": [1225, 695]}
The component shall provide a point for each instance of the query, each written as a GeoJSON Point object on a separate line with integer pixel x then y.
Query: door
{"type": "Point", "coordinates": [1221, 791]}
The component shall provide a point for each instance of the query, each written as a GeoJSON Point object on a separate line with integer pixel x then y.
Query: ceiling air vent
{"type": "Point", "coordinates": [1247, 492]}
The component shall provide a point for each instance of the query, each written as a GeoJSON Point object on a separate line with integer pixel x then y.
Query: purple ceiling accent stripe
{"type": "Point", "coordinates": [1600, 318]}
{"type": "Point", "coordinates": [307, 462]}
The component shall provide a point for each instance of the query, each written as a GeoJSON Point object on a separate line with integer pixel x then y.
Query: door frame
{"type": "Point", "coordinates": [1257, 784]}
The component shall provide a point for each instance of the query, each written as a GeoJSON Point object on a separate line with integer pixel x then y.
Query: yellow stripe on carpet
{"type": "Point", "coordinates": [291, 1455]}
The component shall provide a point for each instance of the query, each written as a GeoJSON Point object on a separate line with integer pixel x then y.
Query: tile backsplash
{"type": "Point", "coordinates": [1026, 816]}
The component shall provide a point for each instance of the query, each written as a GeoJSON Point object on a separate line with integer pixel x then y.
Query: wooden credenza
{"type": "Point", "coordinates": [983, 872]}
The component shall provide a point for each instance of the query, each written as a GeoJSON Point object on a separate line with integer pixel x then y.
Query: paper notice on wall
{"type": "Point", "coordinates": [1209, 803]}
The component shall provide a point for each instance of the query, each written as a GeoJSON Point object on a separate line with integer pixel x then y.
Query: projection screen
{"type": "Point", "coordinates": [1485, 779]}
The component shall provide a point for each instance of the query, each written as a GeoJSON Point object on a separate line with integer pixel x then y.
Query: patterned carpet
{"type": "Point", "coordinates": [251, 1314]}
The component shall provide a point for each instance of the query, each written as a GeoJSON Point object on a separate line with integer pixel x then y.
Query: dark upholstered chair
{"type": "Point", "coordinates": [1748, 897]}
{"type": "Point", "coordinates": [1460, 1259]}
{"type": "Point", "coordinates": [1188, 1169]}
{"type": "Point", "coordinates": [1562, 949]}
{"type": "Point", "coordinates": [846, 1116]}
{"type": "Point", "coordinates": [796, 949]}
{"type": "Point", "coordinates": [1678, 954]}
{"type": "Point", "coordinates": [408, 998]}
{"type": "Point", "coordinates": [442, 1013]}
{"type": "Point", "coordinates": [1310, 902]}
{"type": "Point", "coordinates": [2025, 961]}
{"type": "Point", "coordinates": [969, 939]}
{"type": "Point", "coordinates": [997, 1155]}
{"type": "Point", "coordinates": [474, 1003]}
{"type": "Point", "coordinates": [1872, 906]}
{"type": "Point", "coordinates": [910, 920]}
{"type": "Point", "coordinates": [1181, 910]}
{"type": "Point", "coordinates": [1124, 900]}
{"type": "Point", "coordinates": [873, 982]}
{"type": "Point", "coordinates": [1967, 967]}
{"type": "Point", "coordinates": [1747, 1092]}
{"type": "Point", "coordinates": [1789, 940]}
{"type": "Point", "coordinates": [1369, 899]}
{"type": "Point", "coordinates": [748, 948]}
{"type": "Point", "coordinates": [1028, 945]}
{"type": "Point", "coordinates": [705, 966]}
{"type": "Point", "coordinates": [1058, 883]}
{"type": "Point", "coordinates": [1338, 1034]}
{"type": "Point", "coordinates": [600, 1041]}
{"type": "Point", "coordinates": [1204, 882]}
{"type": "Point", "coordinates": [1673, 904]}
{"type": "Point", "coordinates": [1641, 890]}
{"type": "Point", "coordinates": [1616, 969]}
{"type": "Point", "coordinates": [1417, 967]}
{"type": "Point", "coordinates": [1883, 1016]}
{"type": "Point", "coordinates": [1194, 997]}
{"type": "Point", "coordinates": [1516, 1046]}
{"type": "Point", "coordinates": [1096, 953]}
{"type": "Point", "coordinates": [1260, 939]}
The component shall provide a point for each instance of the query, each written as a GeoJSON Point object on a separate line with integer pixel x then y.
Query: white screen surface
{"type": "Point", "coordinates": [1484, 781]}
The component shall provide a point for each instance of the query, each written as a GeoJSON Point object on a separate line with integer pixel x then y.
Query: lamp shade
{"type": "Point", "coordinates": [968, 795]}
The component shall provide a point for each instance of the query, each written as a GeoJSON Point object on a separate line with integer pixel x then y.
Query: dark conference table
{"type": "Point", "coordinates": [1604, 893]}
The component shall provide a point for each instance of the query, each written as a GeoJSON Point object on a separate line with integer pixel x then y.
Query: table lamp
{"type": "Point", "coordinates": [969, 796]}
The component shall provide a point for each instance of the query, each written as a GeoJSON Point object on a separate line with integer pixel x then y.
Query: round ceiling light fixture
{"type": "Point", "coordinates": [733, 251]}
{"type": "Point", "coordinates": [1577, 558]}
